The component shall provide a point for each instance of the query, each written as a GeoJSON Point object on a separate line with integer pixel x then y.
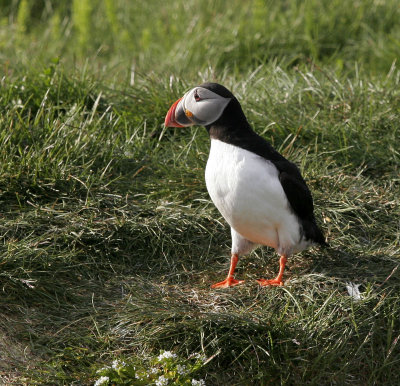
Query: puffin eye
{"type": "Point", "coordinates": [196, 96]}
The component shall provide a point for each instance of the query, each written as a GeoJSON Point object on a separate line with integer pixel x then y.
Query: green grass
{"type": "Point", "coordinates": [109, 241]}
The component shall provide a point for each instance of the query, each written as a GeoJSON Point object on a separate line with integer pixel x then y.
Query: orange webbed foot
{"type": "Point", "coordinates": [228, 282]}
{"type": "Point", "coordinates": [278, 280]}
{"type": "Point", "coordinates": [273, 282]}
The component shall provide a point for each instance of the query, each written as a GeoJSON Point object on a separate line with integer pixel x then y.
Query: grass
{"type": "Point", "coordinates": [109, 239]}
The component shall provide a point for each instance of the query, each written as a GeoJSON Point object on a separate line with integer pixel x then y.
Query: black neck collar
{"type": "Point", "coordinates": [232, 125]}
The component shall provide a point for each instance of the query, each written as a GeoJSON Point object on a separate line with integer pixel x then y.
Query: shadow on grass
{"type": "Point", "coordinates": [358, 267]}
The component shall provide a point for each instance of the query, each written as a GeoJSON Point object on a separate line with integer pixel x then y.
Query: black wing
{"type": "Point", "coordinates": [296, 189]}
{"type": "Point", "coordinates": [300, 199]}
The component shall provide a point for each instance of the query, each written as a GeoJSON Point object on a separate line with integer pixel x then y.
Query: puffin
{"type": "Point", "coordinates": [261, 195]}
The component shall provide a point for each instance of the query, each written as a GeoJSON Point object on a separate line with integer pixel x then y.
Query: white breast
{"type": "Point", "coordinates": [246, 190]}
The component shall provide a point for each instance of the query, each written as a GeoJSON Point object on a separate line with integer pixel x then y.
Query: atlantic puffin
{"type": "Point", "coordinates": [260, 194]}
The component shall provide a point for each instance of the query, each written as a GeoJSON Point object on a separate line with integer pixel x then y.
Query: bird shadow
{"type": "Point", "coordinates": [363, 268]}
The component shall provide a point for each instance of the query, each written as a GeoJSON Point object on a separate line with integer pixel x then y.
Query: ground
{"type": "Point", "coordinates": [109, 240]}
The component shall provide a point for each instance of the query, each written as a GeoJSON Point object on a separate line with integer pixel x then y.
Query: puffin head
{"type": "Point", "coordinates": [202, 105]}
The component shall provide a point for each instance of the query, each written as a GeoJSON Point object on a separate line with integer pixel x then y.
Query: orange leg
{"type": "Point", "coordinates": [229, 281]}
{"type": "Point", "coordinates": [278, 279]}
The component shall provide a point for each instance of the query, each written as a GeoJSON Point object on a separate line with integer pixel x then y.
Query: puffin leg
{"type": "Point", "coordinates": [229, 281]}
{"type": "Point", "coordinates": [278, 279]}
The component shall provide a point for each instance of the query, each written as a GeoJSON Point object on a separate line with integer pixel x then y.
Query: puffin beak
{"type": "Point", "coordinates": [170, 120]}
{"type": "Point", "coordinates": [177, 116]}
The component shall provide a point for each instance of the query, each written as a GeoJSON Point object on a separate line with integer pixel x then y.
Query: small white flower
{"type": "Point", "coordinates": [161, 381]}
{"type": "Point", "coordinates": [201, 382]}
{"type": "Point", "coordinates": [199, 356]}
{"type": "Point", "coordinates": [115, 364]}
{"type": "Point", "coordinates": [102, 381]}
{"type": "Point", "coordinates": [181, 369]}
{"type": "Point", "coordinates": [166, 355]}
{"type": "Point", "coordinates": [154, 370]}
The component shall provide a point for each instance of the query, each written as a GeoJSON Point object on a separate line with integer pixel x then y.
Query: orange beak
{"type": "Point", "coordinates": [170, 120]}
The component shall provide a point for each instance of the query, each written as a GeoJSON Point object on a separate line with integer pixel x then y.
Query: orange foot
{"type": "Point", "coordinates": [264, 282]}
{"type": "Point", "coordinates": [228, 282]}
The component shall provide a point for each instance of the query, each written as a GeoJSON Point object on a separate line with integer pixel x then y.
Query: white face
{"type": "Point", "coordinates": [200, 106]}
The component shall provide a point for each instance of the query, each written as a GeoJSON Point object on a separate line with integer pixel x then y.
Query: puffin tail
{"type": "Point", "coordinates": [314, 233]}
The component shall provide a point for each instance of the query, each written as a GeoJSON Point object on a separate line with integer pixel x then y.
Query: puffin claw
{"type": "Point", "coordinates": [228, 282]}
{"type": "Point", "coordinates": [272, 282]}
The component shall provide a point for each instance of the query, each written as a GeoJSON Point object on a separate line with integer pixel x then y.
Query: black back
{"type": "Point", "coordinates": [233, 128]}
